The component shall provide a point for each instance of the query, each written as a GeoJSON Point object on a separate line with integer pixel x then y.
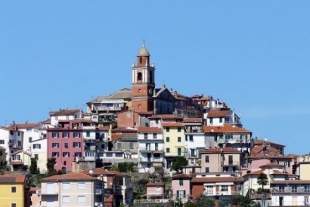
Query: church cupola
{"type": "Point", "coordinates": [143, 57]}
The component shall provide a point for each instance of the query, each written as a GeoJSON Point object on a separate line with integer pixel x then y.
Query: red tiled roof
{"type": "Point", "coordinates": [77, 121]}
{"type": "Point", "coordinates": [216, 179]}
{"type": "Point", "coordinates": [256, 172]}
{"type": "Point", "coordinates": [266, 150]}
{"type": "Point", "coordinates": [192, 120]}
{"type": "Point", "coordinates": [149, 130]}
{"type": "Point", "coordinates": [64, 112]}
{"type": "Point", "coordinates": [27, 125]}
{"type": "Point", "coordinates": [272, 165]}
{"type": "Point", "coordinates": [220, 150]}
{"type": "Point", "coordinates": [9, 178]}
{"type": "Point", "coordinates": [17, 163]}
{"type": "Point", "coordinates": [155, 184]}
{"type": "Point", "coordinates": [286, 182]}
{"type": "Point", "coordinates": [261, 142]}
{"type": "Point", "coordinates": [172, 124]}
{"type": "Point", "coordinates": [166, 116]}
{"type": "Point", "coordinates": [184, 176]}
{"type": "Point", "coordinates": [70, 176]}
{"type": "Point", "coordinates": [218, 113]}
{"type": "Point", "coordinates": [98, 171]}
{"type": "Point", "coordinates": [226, 128]}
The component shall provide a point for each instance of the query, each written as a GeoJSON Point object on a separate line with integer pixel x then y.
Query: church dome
{"type": "Point", "coordinates": [143, 52]}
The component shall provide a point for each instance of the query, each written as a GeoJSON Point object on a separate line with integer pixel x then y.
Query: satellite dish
{"type": "Point", "coordinates": [152, 170]}
{"type": "Point", "coordinates": [91, 172]}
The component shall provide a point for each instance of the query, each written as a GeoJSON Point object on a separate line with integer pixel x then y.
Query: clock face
{"type": "Point", "coordinates": [150, 91]}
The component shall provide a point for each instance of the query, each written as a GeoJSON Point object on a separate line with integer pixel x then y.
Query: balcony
{"type": "Point", "coordinates": [151, 150]}
{"type": "Point", "coordinates": [230, 163]}
{"type": "Point", "coordinates": [49, 192]}
{"type": "Point", "coordinates": [109, 108]}
{"type": "Point", "coordinates": [151, 159]}
{"type": "Point", "coordinates": [222, 193]}
{"type": "Point", "coordinates": [290, 190]}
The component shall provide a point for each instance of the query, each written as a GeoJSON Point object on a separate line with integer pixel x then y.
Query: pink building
{"type": "Point", "coordinates": [155, 190]}
{"type": "Point", "coordinates": [181, 187]}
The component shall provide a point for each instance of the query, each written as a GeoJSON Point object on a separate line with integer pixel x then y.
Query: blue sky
{"type": "Point", "coordinates": [254, 55]}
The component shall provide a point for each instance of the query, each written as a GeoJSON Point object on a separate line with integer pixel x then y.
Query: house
{"type": "Point", "coordinates": [151, 148]}
{"type": "Point", "coordinates": [181, 187]}
{"type": "Point", "coordinates": [72, 189]}
{"type": "Point", "coordinates": [220, 186]}
{"type": "Point", "coordinates": [117, 186]}
{"type": "Point", "coordinates": [155, 190]}
{"type": "Point", "coordinates": [19, 159]}
{"type": "Point", "coordinates": [174, 140]}
{"type": "Point", "coordinates": [221, 116]}
{"type": "Point", "coordinates": [164, 101]}
{"type": "Point", "coordinates": [225, 159]}
{"type": "Point", "coordinates": [12, 190]}
{"type": "Point", "coordinates": [34, 196]}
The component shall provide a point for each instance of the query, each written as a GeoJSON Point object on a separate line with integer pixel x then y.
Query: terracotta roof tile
{"type": "Point", "coordinates": [226, 128]}
{"type": "Point", "coordinates": [98, 171]}
{"type": "Point", "coordinates": [286, 182]}
{"type": "Point", "coordinates": [272, 165]}
{"type": "Point", "coordinates": [184, 176]}
{"type": "Point", "coordinates": [256, 172]}
{"type": "Point", "coordinates": [192, 120]}
{"type": "Point", "coordinates": [9, 178]}
{"type": "Point", "coordinates": [155, 184]}
{"type": "Point", "coordinates": [172, 124]}
{"type": "Point", "coordinates": [69, 177]}
{"type": "Point", "coordinates": [64, 112]}
{"type": "Point", "coordinates": [216, 179]}
{"type": "Point", "coordinates": [149, 130]}
{"type": "Point", "coordinates": [218, 113]}
{"type": "Point", "coordinates": [27, 125]}
{"type": "Point", "coordinates": [261, 142]}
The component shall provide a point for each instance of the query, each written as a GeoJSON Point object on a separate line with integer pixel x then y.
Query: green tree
{"type": "Point", "coordinates": [241, 201]}
{"type": "Point", "coordinates": [262, 180]}
{"type": "Point", "coordinates": [33, 166]}
{"type": "Point", "coordinates": [178, 164]}
{"type": "Point", "coordinates": [204, 201]}
{"type": "Point", "coordinates": [126, 167]}
{"type": "Point", "coordinates": [50, 165]}
{"type": "Point", "coordinates": [190, 204]}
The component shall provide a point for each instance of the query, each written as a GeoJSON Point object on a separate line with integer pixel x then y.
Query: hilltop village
{"type": "Point", "coordinates": [147, 146]}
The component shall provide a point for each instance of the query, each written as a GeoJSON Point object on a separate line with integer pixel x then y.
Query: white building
{"type": "Point", "coordinates": [151, 148]}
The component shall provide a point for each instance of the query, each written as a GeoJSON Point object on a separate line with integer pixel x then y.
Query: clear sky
{"type": "Point", "coordinates": [254, 55]}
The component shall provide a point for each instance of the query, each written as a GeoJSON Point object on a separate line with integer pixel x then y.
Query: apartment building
{"type": "Point", "coordinates": [12, 190]}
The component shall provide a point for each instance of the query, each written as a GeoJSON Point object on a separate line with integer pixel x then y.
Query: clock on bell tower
{"type": "Point", "coordinates": [143, 82]}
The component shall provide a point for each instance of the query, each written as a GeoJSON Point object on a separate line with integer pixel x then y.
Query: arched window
{"type": "Point", "coordinates": [139, 76]}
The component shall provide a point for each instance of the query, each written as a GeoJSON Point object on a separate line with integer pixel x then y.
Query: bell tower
{"type": "Point", "coordinates": [143, 82]}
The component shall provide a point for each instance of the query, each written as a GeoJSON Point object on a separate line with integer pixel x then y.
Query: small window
{"type": "Point", "coordinates": [167, 139]}
{"type": "Point", "coordinates": [191, 138]}
{"type": "Point", "coordinates": [13, 189]}
{"type": "Point", "coordinates": [179, 129]}
{"type": "Point", "coordinates": [186, 138]}
{"type": "Point", "coordinates": [1, 141]}
{"type": "Point", "coordinates": [76, 134]}
{"type": "Point", "coordinates": [66, 199]}
{"type": "Point", "coordinates": [30, 139]}
{"type": "Point", "coordinates": [81, 199]}
{"type": "Point", "coordinates": [36, 156]}
{"type": "Point", "coordinates": [66, 186]}
{"type": "Point", "coordinates": [207, 158]}
{"type": "Point", "coordinates": [65, 134]}
{"type": "Point", "coordinates": [131, 145]}
{"type": "Point", "coordinates": [181, 182]}
{"type": "Point", "coordinates": [179, 139]}
{"type": "Point", "coordinates": [167, 150]}
{"type": "Point", "coordinates": [211, 120]}
{"type": "Point", "coordinates": [87, 134]}
{"type": "Point", "coordinates": [154, 136]}
{"type": "Point", "coordinates": [145, 135]}
{"type": "Point", "coordinates": [13, 205]}
{"type": "Point", "coordinates": [66, 145]}
{"type": "Point", "coordinates": [206, 170]}
{"type": "Point", "coordinates": [221, 119]}
{"type": "Point", "coordinates": [179, 151]}
{"type": "Point", "coordinates": [167, 129]}
{"type": "Point", "coordinates": [81, 186]}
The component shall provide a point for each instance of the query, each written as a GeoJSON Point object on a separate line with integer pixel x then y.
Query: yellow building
{"type": "Point", "coordinates": [12, 188]}
{"type": "Point", "coordinates": [174, 140]}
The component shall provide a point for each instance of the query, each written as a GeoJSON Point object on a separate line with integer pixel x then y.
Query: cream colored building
{"type": "Point", "coordinates": [220, 160]}
{"type": "Point", "coordinates": [73, 189]}
{"type": "Point", "coordinates": [19, 159]}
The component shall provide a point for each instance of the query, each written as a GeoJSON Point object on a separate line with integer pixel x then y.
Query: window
{"type": "Point", "coordinates": [224, 188]}
{"type": "Point", "coordinates": [211, 120]}
{"type": "Point", "coordinates": [76, 144]}
{"type": "Point", "coordinates": [192, 152]}
{"type": "Point", "coordinates": [167, 150]}
{"type": "Point", "coordinates": [206, 170]}
{"type": "Point", "coordinates": [77, 154]}
{"type": "Point", "coordinates": [66, 199]}
{"type": "Point", "coordinates": [131, 145]}
{"type": "Point", "coordinates": [154, 136]}
{"type": "Point", "coordinates": [1, 141]}
{"type": "Point", "coordinates": [16, 157]}
{"type": "Point", "coordinates": [191, 139]}
{"type": "Point", "coordinates": [66, 145]}
{"type": "Point", "coordinates": [55, 145]}
{"type": "Point", "coordinates": [66, 154]}
{"type": "Point", "coordinates": [230, 159]}
{"type": "Point", "coordinates": [13, 205]}
{"type": "Point", "coordinates": [55, 154]}
{"type": "Point", "coordinates": [76, 134]}
{"type": "Point", "coordinates": [179, 151]}
{"type": "Point", "coordinates": [221, 119]}
{"type": "Point", "coordinates": [36, 146]}
{"type": "Point", "coordinates": [30, 139]}
{"type": "Point", "coordinates": [36, 156]}
{"type": "Point", "coordinates": [179, 139]}
{"type": "Point", "coordinates": [13, 189]}
{"type": "Point", "coordinates": [156, 121]}
{"type": "Point", "coordinates": [65, 162]}
{"type": "Point", "coordinates": [145, 135]}
{"type": "Point", "coordinates": [81, 186]}
{"type": "Point", "coordinates": [87, 134]}
{"type": "Point", "coordinates": [207, 158]}
{"type": "Point", "coordinates": [221, 136]}
{"type": "Point", "coordinates": [181, 193]}
{"type": "Point", "coordinates": [119, 145]}
{"type": "Point", "coordinates": [55, 135]}
{"type": "Point", "coordinates": [181, 182]}
{"type": "Point", "coordinates": [156, 146]}
{"type": "Point", "coordinates": [186, 139]}
{"type": "Point", "coordinates": [81, 199]}
{"type": "Point", "coordinates": [66, 186]}
{"type": "Point", "coordinates": [167, 129]}
{"type": "Point", "coordinates": [179, 129]}
{"type": "Point", "coordinates": [65, 135]}
{"type": "Point", "coordinates": [167, 139]}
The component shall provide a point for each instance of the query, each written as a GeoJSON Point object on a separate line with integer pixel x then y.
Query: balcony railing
{"type": "Point", "coordinates": [109, 108]}
{"type": "Point", "coordinates": [230, 163]}
{"type": "Point", "coordinates": [151, 159]}
{"type": "Point", "coordinates": [290, 190]}
{"type": "Point", "coordinates": [149, 149]}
